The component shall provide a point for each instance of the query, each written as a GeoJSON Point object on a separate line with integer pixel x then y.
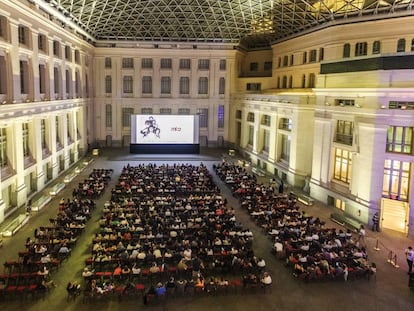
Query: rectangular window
{"type": "Point", "coordinates": [305, 58]}
{"type": "Point", "coordinates": [321, 54]}
{"type": "Point", "coordinates": [344, 132]}
{"type": "Point", "coordinates": [250, 117]}
{"type": "Point", "coordinates": [285, 150]}
{"type": "Point", "coordinates": [344, 102]}
{"type": "Point", "coordinates": [165, 111]}
{"type": "Point", "coordinates": [222, 86]}
{"type": "Point", "coordinates": [57, 126]}
{"type": "Point", "coordinates": [268, 66]}
{"type": "Point", "coordinates": [266, 140]}
{"type": "Point", "coordinates": [146, 63]}
{"type": "Point", "coordinates": [203, 86]}
{"type": "Point", "coordinates": [127, 84]}
{"type": "Point", "coordinates": [108, 84]}
{"type": "Point", "coordinates": [312, 56]}
{"type": "Point", "coordinates": [220, 117]}
{"type": "Point", "coordinates": [253, 86]}
{"type": "Point", "coordinates": [78, 58]}
{"type": "Point", "coordinates": [203, 64]}
{"type": "Point", "coordinates": [222, 64]}
{"type": "Point", "coordinates": [254, 66]}
{"type": "Point", "coordinates": [108, 63]}
{"type": "Point", "coordinates": [361, 48]}
{"type": "Point", "coordinates": [108, 115]}
{"type": "Point", "coordinates": [146, 110]}
{"type": "Point", "coordinates": [56, 79]}
{"type": "Point", "coordinates": [401, 105]}
{"type": "Point", "coordinates": [56, 48]}
{"type": "Point", "coordinates": [343, 165]}
{"type": "Point", "coordinates": [396, 180]}
{"type": "Point", "coordinates": [69, 128]}
{"type": "Point", "coordinates": [203, 113]}
{"type": "Point", "coordinates": [339, 204]}
{"type": "Point", "coordinates": [184, 85]}
{"type": "Point", "coordinates": [24, 77]}
{"type": "Point", "coordinates": [285, 124]}
{"type": "Point", "coordinates": [23, 34]}
{"type": "Point", "coordinates": [250, 139]}
{"type": "Point", "coordinates": [126, 116]}
{"type": "Point", "coordinates": [265, 120]}
{"type": "Point", "coordinates": [41, 41]}
{"type": "Point", "coordinates": [42, 79]}
{"type": "Point", "coordinates": [400, 139]}
{"type": "Point", "coordinates": [184, 111]}
{"type": "Point", "coordinates": [3, 147]}
{"type": "Point", "coordinates": [165, 85]}
{"type": "Point", "coordinates": [285, 61]}
{"type": "Point", "coordinates": [238, 114]}
{"type": "Point", "coordinates": [68, 53]}
{"type": "Point", "coordinates": [185, 63]}
{"type": "Point", "coordinates": [166, 63]}
{"type": "Point", "coordinates": [147, 85]}
{"type": "Point", "coordinates": [128, 63]}
{"type": "Point", "coordinates": [25, 138]}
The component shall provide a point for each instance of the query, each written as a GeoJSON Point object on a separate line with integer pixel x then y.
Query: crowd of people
{"type": "Point", "coordinates": [168, 220]}
{"type": "Point", "coordinates": [44, 251]}
{"type": "Point", "coordinates": [311, 249]}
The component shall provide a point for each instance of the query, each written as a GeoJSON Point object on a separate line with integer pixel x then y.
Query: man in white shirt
{"type": "Point", "coordinates": [409, 253]}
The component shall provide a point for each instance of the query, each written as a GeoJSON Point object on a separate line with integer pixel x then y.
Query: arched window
{"type": "Point", "coordinates": [376, 47]}
{"type": "Point", "coordinates": [347, 50]}
{"type": "Point", "coordinates": [401, 45]}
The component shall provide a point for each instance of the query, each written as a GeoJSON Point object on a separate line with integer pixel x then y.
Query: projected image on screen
{"type": "Point", "coordinates": [151, 128]}
{"type": "Point", "coordinates": [164, 129]}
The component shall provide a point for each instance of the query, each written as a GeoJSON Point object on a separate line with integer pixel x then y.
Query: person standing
{"type": "Point", "coordinates": [375, 222]}
{"type": "Point", "coordinates": [409, 253]}
{"type": "Point", "coordinates": [361, 236]}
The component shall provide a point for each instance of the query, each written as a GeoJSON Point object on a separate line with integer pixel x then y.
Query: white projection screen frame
{"type": "Point", "coordinates": [151, 133]}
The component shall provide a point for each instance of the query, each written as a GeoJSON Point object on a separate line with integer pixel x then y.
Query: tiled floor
{"type": "Point", "coordinates": [388, 292]}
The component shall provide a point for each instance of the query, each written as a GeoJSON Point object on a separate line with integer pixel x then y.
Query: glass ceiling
{"type": "Point", "coordinates": [252, 23]}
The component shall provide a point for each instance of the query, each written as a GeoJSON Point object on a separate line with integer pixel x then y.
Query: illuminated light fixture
{"type": "Point", "coordinates": [403, 107]}
{"type": "Point", "coordinates": [383, 107]}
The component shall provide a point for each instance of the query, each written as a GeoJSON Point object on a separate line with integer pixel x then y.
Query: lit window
{"type": "Point", "coordinates": [343, 165]}
{"type": "Point", "coordinates": [220, 116]}
{"type": "Point", "coordinates": [396, 179]}
{"type": "Point", "coordinates": [399, 139]}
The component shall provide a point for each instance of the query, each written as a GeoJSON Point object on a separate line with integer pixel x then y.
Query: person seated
{"type": "Point", "coordinates": [73, 287]}
{"type": "Point", "coordinates": [86, 273]}
{"type": "Point", "coordinates": [154, 268]}
{"type": "Point", "coordinates": [199, 284]}
{"type": "Point", "coordinates": [117, 271]}
{"type": "Point", "coordinates": [64, 250]}
{"type": "Point", "coordinates": [125, 271]}
{"type": "Point", "coordinates": [266, 279]}
{"type": "Point", "coordinates": [160, 290]}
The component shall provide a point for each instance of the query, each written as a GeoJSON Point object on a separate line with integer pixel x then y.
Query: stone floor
{"type": "Point", "coordinates": [388, 292]}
